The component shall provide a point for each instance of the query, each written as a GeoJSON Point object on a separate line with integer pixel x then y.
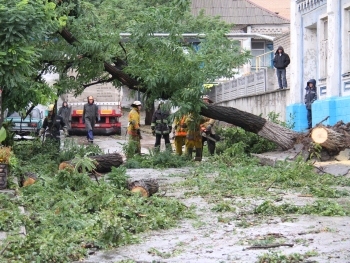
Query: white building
{"type": "Point", "coordinates": [320, 50]}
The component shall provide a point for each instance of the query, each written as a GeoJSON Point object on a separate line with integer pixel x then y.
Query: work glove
{"type": "Point", "coordinates": [208, 128]}
{"type": "Point", "coordinates": [66, 132]}
{"type": "Point", "coordinates": [98, 119]}
{"type": "Point", "coordinates": [153, 132]}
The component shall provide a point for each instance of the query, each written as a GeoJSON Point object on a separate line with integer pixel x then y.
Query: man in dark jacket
{"type": "Point", "coordinates": [65, 113]}
{"type": "Point", "coordinates": [310, 97]}
{"type": "Point", "coordinates": [52, 125]}
{"type": "Point", "coordinates": [281, 62]}
{"type": "Point", "coordinates": [161, 126]}
{"type": "Point", "coordinates": [90, 117]}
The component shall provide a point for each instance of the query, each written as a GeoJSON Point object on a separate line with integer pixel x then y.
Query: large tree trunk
{"type": "Point", "coordinates": [329, 139]}
{"type": "Point", "coordinates": [282, 136]}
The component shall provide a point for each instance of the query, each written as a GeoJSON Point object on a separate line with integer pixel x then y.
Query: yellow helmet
{"type": "Point", "coordinates": [51, 107]}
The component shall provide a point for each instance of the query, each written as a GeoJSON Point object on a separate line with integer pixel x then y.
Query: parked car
{"type": "Point", "coordinates": [30, 125]}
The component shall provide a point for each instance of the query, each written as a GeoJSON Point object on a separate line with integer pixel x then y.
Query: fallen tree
{"type": "Point", "coordinates": [282, 136]}
{"type": "Point", "coordinates": [104, 162]}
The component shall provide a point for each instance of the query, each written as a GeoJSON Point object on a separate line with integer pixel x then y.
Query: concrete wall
{"type": "Point", "coordinates": [264, 103]}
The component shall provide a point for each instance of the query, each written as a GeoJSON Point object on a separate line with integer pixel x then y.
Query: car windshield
{"type": "Point", "coordinates": [35, 114]}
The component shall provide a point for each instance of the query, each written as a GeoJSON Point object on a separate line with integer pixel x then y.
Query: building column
{"type": "Point", "coordinates": [334, 40]}
{"type": "Point", "coordinates": [296, 55]}
{"type": "Point", "coordinates": [247, 45]}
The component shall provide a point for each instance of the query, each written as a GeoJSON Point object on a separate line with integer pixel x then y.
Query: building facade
{"type": "Point", "coordinates": [320, 50]}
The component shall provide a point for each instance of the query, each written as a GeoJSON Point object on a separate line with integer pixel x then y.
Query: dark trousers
{"type": "Point", "coordinates": [309, 118]}
{"type": "Point", "coordinates": [281, 77]}
{"type": "Point", "coordinates": [211, 144]}
{"type": "Point", "coordinates": [166, 140]}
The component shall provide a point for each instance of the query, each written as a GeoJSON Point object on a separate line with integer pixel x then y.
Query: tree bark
{"type": "Point", "coordinates": [105, 162]}
{"type": "Point", "coordinates": [146, 187]}
{"type": "Point", "coordinates": [327, 138]}
{"type": "Point", "coordinates": [282, 136]}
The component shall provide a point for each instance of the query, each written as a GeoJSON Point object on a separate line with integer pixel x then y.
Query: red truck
{"type": "Point", "coordinates": [108, 99]}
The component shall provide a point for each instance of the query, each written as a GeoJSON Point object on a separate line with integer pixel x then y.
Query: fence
{"type": "Point", "coordinates": [252, 84]}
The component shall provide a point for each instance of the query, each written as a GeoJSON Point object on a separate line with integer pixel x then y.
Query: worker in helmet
{"type": "Point", "coordinates": [208, 129]}
{"type": "Point", "coordinates": [179, 132]}
{"type": "Point", "coordinates": [161, 126]}
{"type": "Point", "coordinates": [52, 125]}
{"type": "Point", "coordinates": [90, 117]}
{"type": "Point", "coordinates": [134, 125]}
{"type": "Point", "coordinates": [193, 136]}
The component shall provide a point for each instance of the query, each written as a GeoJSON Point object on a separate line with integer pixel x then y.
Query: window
{"type": "Point", "coordinates": [258, 48]}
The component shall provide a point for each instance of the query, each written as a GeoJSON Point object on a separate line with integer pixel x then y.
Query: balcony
{"type": "Point", "coordinates": [309, 5]}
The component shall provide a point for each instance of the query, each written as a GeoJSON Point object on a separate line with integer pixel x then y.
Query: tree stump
{"type": "Point", "coordinates": [29, 179]}
{"type": "Point", "coordinates": [146, 187]}
{"type": "Point", "coordinates": [105, 162]}
{"type": "Point", "coordinates": [328, 138]}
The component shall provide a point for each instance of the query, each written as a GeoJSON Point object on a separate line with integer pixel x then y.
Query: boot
{"type": "Point", "coordinates": [189, 153]}
{"type": "Point", "coordinates": [198, 157]}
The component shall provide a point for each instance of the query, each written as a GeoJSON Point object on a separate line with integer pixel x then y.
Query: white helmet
{"type": "Point", "coordinates": [136, 103]}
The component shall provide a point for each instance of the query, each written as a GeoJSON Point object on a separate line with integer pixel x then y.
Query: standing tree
{"type": "Point", "coordinates": [86, 36]}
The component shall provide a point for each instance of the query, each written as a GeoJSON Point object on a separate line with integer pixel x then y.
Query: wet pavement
{"type": "Point", "coordinates": [209, 239]}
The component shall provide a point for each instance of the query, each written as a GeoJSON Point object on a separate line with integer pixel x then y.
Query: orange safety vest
{"type": "Point", "coordinates": [180, 130]}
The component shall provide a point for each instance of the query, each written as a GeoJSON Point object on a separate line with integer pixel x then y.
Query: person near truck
{"type": "Point", "coordinates": [310, 97]}
{"type": "Point", "coordinates": [65, 113]}
{"type": "Point", "coordinates": [179, 132]}
{"type": "Point", "coordinates": [161, 127]}
{"type": "Point", "coordinates": [90, 117]}
{"type": "Point", "coordinates": [281, 62]}
{"type": "Point", "coordinates": [207, 129]}
{"type": "Point", "coordinates": [134, 126]}
{"type": "Point", "coordinates": [52, 125]}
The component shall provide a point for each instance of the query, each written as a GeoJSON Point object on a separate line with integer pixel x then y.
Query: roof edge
{"type": "Point", "coordinates": [269, 11]}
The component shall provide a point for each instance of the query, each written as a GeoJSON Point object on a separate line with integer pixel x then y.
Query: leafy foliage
{"type": "Point", "coordinates": [67, 211]}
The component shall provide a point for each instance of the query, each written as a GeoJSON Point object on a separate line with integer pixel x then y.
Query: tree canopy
{"type": "Point", "coordinates": [173, 67]}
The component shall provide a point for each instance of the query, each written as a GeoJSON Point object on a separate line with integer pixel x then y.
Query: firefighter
{"type": "Point", "coordinates": [52, 125]}
{"type": "Point", "coordinates": [160, 126]}
{"type": "Point", "coordinates": [179, 132]}
{"type": "Point", "coordinates": [207, 129]}
{"type": "Point", "coordinates": [134, 125]}
{"type": "Point", "coordinates": [193, 136]}
{"type": "Point", "coordinates": [90, 117]}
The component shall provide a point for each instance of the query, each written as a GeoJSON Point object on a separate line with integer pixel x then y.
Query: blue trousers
{"type": "Point", "coordinates": [281, 77]}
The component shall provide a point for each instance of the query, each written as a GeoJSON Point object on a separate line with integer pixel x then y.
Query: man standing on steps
{"type": "Point", "coordinates": [281, 62]}
{"type": "Point", "coordinates": [90, 117]}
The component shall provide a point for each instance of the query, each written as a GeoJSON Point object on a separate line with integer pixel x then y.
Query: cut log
{"type": "Point", "coordinates": [105, 162]}
{"type": "Point", "coordinates": [146, 187]}
{"type": "Point", "coordinates": [328, 138]}
{"type": "Point", "coordinates": [29, 179]}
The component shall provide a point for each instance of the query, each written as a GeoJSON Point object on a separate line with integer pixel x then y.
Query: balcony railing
{"type": "Point", "coordinates": [263, 61]}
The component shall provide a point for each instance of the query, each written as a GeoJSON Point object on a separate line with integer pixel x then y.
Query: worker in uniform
{"type": "Point", "coordinates": [134, 125]}
{"type": "Point", "coordinates": [179, 132]}
{"type": "Point", "coordinates": [52, 125]}
{"type": "Point", "coordinates": [193, 136]}
{"type": "Point", "coordinates": [90, 117]}
{"type": "Point", "coordinates": [207, 129]}
{"type": "Point", "coordinates": [161, 127]}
